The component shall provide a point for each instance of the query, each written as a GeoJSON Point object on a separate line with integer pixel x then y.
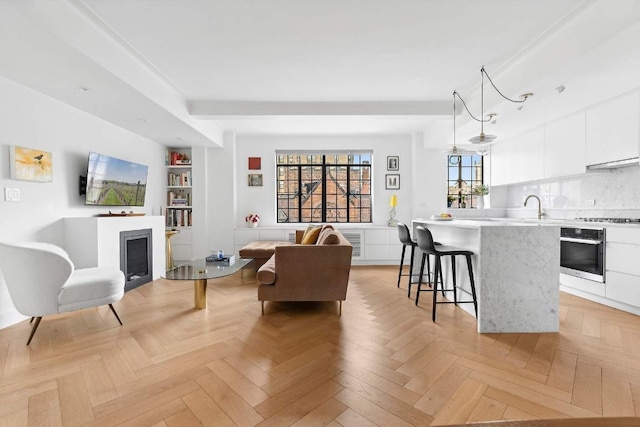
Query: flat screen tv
{"type": "Point", "coordinates": [115, 182]}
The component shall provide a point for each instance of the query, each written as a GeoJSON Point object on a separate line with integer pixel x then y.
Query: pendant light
{"type": "Point", "coordinates": [481, 149]}
{"type": "Point", "coordinates": [482, 138]}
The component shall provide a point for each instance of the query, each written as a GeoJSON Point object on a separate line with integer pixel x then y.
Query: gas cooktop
{"type": "Point", "coordinates": [614, 220]}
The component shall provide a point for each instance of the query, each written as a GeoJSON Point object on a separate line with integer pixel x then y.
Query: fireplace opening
{"type": "Point", "coordinates": [136, 257]}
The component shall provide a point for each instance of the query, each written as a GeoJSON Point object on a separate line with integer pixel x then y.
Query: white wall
{"type": "Point", "coordinates": [429, 178]}
{"type": "Point", "coordinates": [228, 170]}
{"type": "Point", "coordinates": [262, 199]}
{"type": "Point", "coordinates": [221, 198]}
{"type": "Point", "coordinates": [31, 119]}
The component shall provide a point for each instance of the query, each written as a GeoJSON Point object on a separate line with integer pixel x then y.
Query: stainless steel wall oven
{"type": "Point", "coordinates": [582, 252]}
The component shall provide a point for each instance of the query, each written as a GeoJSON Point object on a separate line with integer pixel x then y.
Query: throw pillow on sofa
{"type": "Point", "coordinates": [310, 236]}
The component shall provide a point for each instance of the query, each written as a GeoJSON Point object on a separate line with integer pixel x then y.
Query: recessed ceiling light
{"type": "Point", "coordinates": [84, 88]}
{"type": "Point", "coordinates": [560, 89]}
{"type": "Point", "coordinates": [178, 138]}
{"type": "Point", "coordinates": [143, 119]}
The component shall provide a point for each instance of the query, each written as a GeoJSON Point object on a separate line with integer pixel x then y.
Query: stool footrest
{"type": "Point", "coordinates": [454, 302]}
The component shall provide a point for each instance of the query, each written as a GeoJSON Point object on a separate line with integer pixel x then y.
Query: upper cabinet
{"type": "Point", "coordinates": [613, 130]}
{"type": "Point", "coordinates": [518, 159]}
{"type": "Point", "coordinates": [564, 146]}
{"type": "Point", "coordinates": [501, 164]}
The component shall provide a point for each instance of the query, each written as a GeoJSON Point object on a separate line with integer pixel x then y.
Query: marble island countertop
{"type": "Point", "coordinates": [524, 222]}
{"type": "Point", "coordinates": [490, 222]}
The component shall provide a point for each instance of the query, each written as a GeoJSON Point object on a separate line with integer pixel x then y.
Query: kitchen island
{"type": "Point", "coordinates": [516, 269]}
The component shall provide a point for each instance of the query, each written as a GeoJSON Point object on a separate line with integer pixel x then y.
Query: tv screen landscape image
{"type": "Point", "coordinates": [115, 182]}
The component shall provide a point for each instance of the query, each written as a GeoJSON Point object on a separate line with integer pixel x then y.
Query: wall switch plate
{"type": "Point", "coordinates": [11, 194]}
{"type": "Point", "coordinates": [590, 202]}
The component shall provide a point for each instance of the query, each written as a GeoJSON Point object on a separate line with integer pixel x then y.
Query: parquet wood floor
{"type": "Point", "coordinates": [383, 362]}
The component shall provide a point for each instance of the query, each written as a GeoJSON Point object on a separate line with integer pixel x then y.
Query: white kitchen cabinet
{"type": "Point", "coordinates": [382, 245]}
{"type": "Point", "coordinates": [622, 276]}
{"type": "Point", "coordinates": [501, 163]}
{"type": "Point", "coordinates": [623, 287]}
{"type": "Point", "coordinates": [623, 234]}
{"type": "Point", "coordinates": [518, 159]}
{"type": "Point", "coordinates": [564, 146]}
{"type": "Point", "coordinates": [613, 130]}
{"type": "Point", "coordinates": [623, 257]}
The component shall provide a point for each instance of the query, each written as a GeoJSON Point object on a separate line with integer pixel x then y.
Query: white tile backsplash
{"type": "Point", "coordinates": [616, 194]}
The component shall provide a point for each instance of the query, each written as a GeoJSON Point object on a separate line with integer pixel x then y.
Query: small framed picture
{"type": "Point", "coordinates": [255, 163]}
{"type": "Point", "coordinates": [393, 163]}
{"type": "Point", "coordinates": [30, 164]}
{"type": "Point", "coordinates": [255, 180]}
{"type": "Point", "coordinates": [392, 181]}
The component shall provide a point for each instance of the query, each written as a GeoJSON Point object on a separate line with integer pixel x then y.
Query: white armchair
{"type": "Point", "coordinates": [42, 280]}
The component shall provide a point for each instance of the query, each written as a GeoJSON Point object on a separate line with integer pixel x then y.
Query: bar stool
{"type": "Point", "coordinates": [406, 240]}
{"type": "Point", "coordinates": [426, 244]}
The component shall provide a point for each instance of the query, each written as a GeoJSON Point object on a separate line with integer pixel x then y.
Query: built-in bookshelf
{"type": "Point", "coordinates": [179, 212]}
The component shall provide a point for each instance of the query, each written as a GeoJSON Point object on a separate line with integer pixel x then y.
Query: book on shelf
{"type": "Point", "coordinates": [179, 217]}
{"type": "Point", "coordinates": [179, 202]}
{"type": "Point", "coordinates": [175, 158]}
{"type": "Point", "coordinates": [179, 179]}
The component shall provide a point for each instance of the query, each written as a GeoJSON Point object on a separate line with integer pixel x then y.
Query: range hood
{"type": "Point", "coordinates": [634, 161]}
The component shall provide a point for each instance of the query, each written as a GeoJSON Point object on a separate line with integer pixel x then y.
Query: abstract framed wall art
{"type": "Point", "coordinates": [30, 164]}
{"type": "Point", "coordinates": [392, 182]}
{"type": "Point", "coordinates": [255, 180]}
{"type": "Point", "coordinates": [255, 163]}
{"type": "Point", "coordinates": [393, 163]}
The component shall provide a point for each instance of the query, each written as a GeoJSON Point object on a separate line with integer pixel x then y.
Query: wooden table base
{"type": "Point", "coordinates": [200, 293]}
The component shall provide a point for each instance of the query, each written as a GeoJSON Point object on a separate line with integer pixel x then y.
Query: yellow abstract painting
{"type": "Point", "coordinates": [29, 164]}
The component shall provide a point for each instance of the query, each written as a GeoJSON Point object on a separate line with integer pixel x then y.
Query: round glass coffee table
{"type": "Point", "coordinates": [200, 271]}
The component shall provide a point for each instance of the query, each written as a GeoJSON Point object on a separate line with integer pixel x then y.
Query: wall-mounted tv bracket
{"type": "Point", "coordinates": [82, 185]}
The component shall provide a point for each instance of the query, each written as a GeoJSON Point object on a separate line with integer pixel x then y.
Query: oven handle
{"type": "Point", "coordinates": [585, 241]}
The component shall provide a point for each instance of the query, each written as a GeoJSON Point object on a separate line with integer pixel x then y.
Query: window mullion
{"type": "Point", "coordinates": [348, 191]}
{"type": "Point", "coordinates": [299, 193]}
{"type": "Point", "coordinates": [324, 189]}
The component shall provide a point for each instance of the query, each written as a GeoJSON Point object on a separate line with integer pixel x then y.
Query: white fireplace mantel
{"type": "Point", "coordinates": [95, 241]}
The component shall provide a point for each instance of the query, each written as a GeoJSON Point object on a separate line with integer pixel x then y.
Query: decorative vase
{"type": "Point", "coordinates": [480, 202]}
{"type": "Point", "coordinates": [251, 224]}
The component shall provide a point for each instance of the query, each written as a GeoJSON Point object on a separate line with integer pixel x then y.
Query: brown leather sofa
{"type": "Point", "coordinates": [310, 272]}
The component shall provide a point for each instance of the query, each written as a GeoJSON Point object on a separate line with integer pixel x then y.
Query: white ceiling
{"type": "Point", "coordinates": [184, 71]}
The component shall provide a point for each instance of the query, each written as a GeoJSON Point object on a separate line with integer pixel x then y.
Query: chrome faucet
{"type": "Point", "coordinates": [540, 214]}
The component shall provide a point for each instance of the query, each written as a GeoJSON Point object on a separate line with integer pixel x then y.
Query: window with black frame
{"type": "Point", "coordinates": [464, 173]}
{"type": "Point", "coordinates": [323, 187]}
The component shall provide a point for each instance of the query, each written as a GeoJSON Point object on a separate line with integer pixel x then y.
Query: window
{"type": "Point", "coordinates": [333, 187]}
{"type": "Point", "coordinates": [464, 174]}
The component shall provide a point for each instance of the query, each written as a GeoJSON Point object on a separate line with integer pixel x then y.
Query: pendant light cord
{"type": "Point", "coordinates": [455, 93]}
{"type": "Point", "coordinates": [481, 102]}
{"type": "Point", "coordinates": [484, 73]}
{"type": "Point", "coordinates": [454, 119]}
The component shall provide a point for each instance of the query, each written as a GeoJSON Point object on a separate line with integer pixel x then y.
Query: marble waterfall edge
{"type": "Point", "coordinates": [520, 279]}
